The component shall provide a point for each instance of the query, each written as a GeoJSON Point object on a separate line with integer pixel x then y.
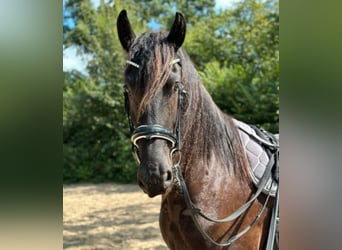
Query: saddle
{"type": "Point", "coordinates": [262, 151]}
{"type": "Point", "coordinates": [260, 146]}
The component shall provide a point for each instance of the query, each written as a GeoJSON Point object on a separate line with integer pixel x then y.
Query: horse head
{"type": "Point", "coordinates": [153, 91]}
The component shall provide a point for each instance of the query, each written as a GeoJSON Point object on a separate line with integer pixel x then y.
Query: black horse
{"type": "Point", "coordinates": [188, 150]}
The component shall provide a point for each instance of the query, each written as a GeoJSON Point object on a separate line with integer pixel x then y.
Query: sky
{"type": "Point", "coordinates": [72, 61]}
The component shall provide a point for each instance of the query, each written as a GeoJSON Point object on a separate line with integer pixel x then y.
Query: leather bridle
{"type": "Point", "coordinates": [156, 131]}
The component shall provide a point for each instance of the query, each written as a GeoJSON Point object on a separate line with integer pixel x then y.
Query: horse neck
{"type": "Point", "coordinates": [208, 134]}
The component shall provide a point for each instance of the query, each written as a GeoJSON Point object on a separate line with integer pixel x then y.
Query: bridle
{"type": "Point", "coordinates": [149, 132]}
{"type": "Point", "coordinates": [156, 131]}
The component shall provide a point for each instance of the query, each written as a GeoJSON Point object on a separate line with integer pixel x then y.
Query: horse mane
{"type": "Point", "coordinates": [212, 131]}
{"type": "Point", "coordinates": [203, 124]}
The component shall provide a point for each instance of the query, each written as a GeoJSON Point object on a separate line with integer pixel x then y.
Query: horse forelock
{"type": "Point", "coordinates": [153, 54]}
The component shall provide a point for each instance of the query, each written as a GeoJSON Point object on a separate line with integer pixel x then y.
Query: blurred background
{"type": "Point", "coordinates": [33, 127]}
{"type": "Point", "coordinates": [233, 44]}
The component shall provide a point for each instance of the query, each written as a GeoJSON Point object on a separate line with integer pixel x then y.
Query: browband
{"type": "Point", "coordinates": [133, 64]}
{"type": "Point", "coordinates": [174, 61]}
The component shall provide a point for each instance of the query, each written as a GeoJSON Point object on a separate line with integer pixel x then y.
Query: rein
{"type": "Point", "coordinates": [192, 210]}
{"type": "Point", "coordinates": [149, 132]}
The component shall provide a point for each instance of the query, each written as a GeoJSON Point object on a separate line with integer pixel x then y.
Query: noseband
{"type": "Point", "coordinates": [150, 132]}
{"type": "Point", "coordinates": [155, 131]}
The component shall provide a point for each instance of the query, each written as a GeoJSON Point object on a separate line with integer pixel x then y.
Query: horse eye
{"type": "Point", "coordinates": [171, 86]}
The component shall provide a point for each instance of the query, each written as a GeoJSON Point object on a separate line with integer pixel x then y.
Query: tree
{"type": "Point", "coordinates": [95, 129]}
{"type": "Point", "coordinates": [240, 61]}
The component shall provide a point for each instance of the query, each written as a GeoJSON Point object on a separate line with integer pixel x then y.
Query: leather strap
{"type": "Point", "coordinates": [192, 210]}
{"type": "Point", "coordinates": [272, 233]}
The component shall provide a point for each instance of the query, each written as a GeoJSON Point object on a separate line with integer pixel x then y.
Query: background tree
{"type": "Point", "coordinates": [95, 129]}
{"type": "Point", "coordinates": [236, 52]}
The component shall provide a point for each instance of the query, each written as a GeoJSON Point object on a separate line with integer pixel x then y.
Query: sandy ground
{"type": "Point", "coordinates": [110, 216]}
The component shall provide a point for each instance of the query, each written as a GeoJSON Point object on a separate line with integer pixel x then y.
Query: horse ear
{"type": "Point", "coordinates": [125, 31]}
{"type": "Point", "coordinates": [177, 32]}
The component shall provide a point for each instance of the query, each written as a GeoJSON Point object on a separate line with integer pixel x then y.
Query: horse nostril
{"type": "Point", "coordinates": [168, 175]}
{"type": "Point", "coordinates": [142, 186]}
{"type": "Point", "coordinates": [167, 179]}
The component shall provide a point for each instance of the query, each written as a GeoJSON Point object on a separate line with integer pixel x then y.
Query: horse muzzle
{"type": "Point", "coordinates": [154, 179]}
{"type": "Point", "coordinates": [156, 143]}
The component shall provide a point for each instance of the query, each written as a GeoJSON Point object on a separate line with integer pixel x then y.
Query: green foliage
{"type": "Point", "coordinates": [236, 52]}
{"type": "Point", "coordinates": [95, 139]}
{"type": "Point", "coordinates": [95, 133]}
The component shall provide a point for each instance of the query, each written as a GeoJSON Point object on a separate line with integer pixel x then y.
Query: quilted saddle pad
{"type": "Point", "coordinates": [257, 156]}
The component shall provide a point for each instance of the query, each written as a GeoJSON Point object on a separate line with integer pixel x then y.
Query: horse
{"type": "Point", "coordinates": [188, 150]}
